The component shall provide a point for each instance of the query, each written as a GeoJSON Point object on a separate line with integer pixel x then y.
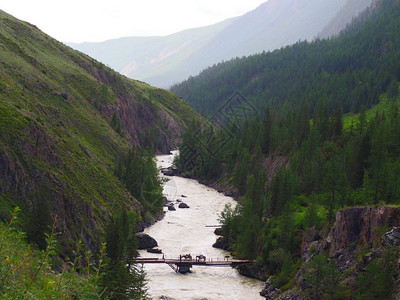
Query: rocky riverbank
{"type": "Point", "coordinates": [358, 236]}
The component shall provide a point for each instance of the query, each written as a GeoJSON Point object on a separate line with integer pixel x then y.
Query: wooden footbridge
{"type": "Point", "coordinates": [185, 262]}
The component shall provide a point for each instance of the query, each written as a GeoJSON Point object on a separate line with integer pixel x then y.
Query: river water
{"type": "Point", "coordinates": [184, 231]}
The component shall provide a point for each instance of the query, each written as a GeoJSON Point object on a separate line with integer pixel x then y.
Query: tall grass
{"type": "Point", "coordinates": [26, 273]}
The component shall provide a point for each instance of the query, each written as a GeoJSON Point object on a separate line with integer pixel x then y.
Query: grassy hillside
{"type": "Point", "coordinates": [384, 106]}
{"type": "Point", "coordinates": [65, 120]}
{"type": "Point", "coordinates": [26, 273]}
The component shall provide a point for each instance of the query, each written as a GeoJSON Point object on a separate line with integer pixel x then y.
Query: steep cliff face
{"type": "Point", "coordinates": [359, 236]}
{"type": "Point", "coordinates": [361, 225]}
{"type": "Point", "coordinates": [65, 120]}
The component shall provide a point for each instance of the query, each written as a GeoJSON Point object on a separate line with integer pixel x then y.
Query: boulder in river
{"type": "Point", "coordinates": [170, 171]}
{"type": "Point", "coordinates": [154, 250]}
{"type": "Point", "coordinates": [221, 243]}
{"type": "Point", "coordinates": [183, 205]}
{"type": "Point", "coordinates": [252, 271]}
{"type": "Point", "coordinates": [166, 201]}
{"type": "Point", "coordinates": [218, 231]}
{"type": "Point", "coordinates": [183, 196]}
{"type": "Point", "coordinates": [145, 241]}
{"type": "Point", "coordinates": [171, 207]}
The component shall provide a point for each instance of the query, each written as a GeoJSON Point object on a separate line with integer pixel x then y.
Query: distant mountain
{"type": "Point", "coordinates": [66, 120]}
{"type": "Point", "coordinates": [349, 71]}
{"type": "Point", "coordinates": [350, 10]}
{"type": "Point", "coordinates": [158, 60]}
{"type": "Point", "coordinates": [163, 61]}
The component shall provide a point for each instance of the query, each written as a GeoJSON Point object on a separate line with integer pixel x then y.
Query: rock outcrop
{"type": "Point", "coordinates": [170, 171]}
{"type": "Point", "coordinates": [392, 238]}
{"type": "Point", "coordinates": [221, 243]}
{"type": "Point", "coordinates": [154, 250]}
{"type": "Point", "coordinates": [354, 229]}
{"type": "Point", "coordinates": [311, 241]}
{"type": "Point", "coordinates": [218, 231]}
{"type": "Point", "coordinates": [252, 271]}
{"type": "Point", "coordinates": [360, 225]}
{"type": "Point", "coordinates": [145, 241]}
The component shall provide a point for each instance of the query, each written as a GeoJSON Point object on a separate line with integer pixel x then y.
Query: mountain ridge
{"type": "Point", "coordinates": [271, 25]}
{"type": "Point", "coordinates": [306, 72]}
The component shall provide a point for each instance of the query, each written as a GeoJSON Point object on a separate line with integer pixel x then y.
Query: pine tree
{"type": "Point", "coordinates": [315, 271]}
{"type": "Point", "coordinates": [121, 279]}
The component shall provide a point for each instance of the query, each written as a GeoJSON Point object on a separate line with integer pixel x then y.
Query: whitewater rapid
{"type": "Point", "coordinates": [184, 231]}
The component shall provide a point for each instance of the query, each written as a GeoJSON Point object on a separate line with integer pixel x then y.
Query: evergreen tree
{"type": "Point", "coordinates": [139, 172]}
{"type": "Point", "coordinates": [371, 282]}
{"type": "Point", "coordinates": [315, 274]}
{"type": "Point", "coordinates": [331, 279]}
{"type": "Point", "coordinates": [121, 279]}
{"type": "Point", "coordinates": [248, 232]}
{"type": "Point", "coordinates": [229, 219]}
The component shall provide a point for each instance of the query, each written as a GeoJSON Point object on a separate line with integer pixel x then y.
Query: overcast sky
{"type": "Point", "coordinates": [98, 20]}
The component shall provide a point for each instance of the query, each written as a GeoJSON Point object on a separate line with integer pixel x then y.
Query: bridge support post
{"type": "Point", "coordinates": [184, 268]}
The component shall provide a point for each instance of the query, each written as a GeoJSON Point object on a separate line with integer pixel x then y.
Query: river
{"type": "Point", "coordinates": [184, 231]}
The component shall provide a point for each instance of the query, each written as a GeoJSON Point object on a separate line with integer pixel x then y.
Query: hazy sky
{"type": "Point", "coordinates": [98, 20]}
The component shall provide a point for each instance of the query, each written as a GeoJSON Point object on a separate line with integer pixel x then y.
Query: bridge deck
{"type": "Point", "coordinates": [194, 262]}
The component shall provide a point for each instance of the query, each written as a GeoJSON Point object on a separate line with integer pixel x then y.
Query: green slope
{"type": "Point", "coordinates": [292, 175]}
{"type": "Point", "coordinates": [384, 106]}
{"type": "Point", "coordinates": [26, 273]}
{"type": "Point", "coordinates": [351, 70]}
{"type": "Point", "coordinates": [58, 143]}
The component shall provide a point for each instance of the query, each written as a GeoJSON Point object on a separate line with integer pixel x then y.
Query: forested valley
{"type": "Point", "coordinates": [306, 138]}
{"type": "Point", "coordinates": [348, 71]}
{"type": "Point", "coordinates": [325, 136]}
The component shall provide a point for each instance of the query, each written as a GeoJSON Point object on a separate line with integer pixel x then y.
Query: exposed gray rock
{"type": "Point", "coordinates": [356, 224]}
{"type": "Point", "coordinates": [145, 241]}
{"type": "Point", "coordinates": [183, 205]}
{"type": "Point", "coordinates": [170, 171]}
{"type": "Point", "coordinates": [309, 243]}
{"type": "Point", "coordinates": [218, 231]}
{"type": "Point", "coordinates": [311, 235]}
{"type": "Point", "coordinates": [252, 271]}
{"type": "Point", "coordinates": [154, 250]}
{"type": "Point", "coordinates": [392, 237]}
{"type": "Point", "coordinates": [221, 243]}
